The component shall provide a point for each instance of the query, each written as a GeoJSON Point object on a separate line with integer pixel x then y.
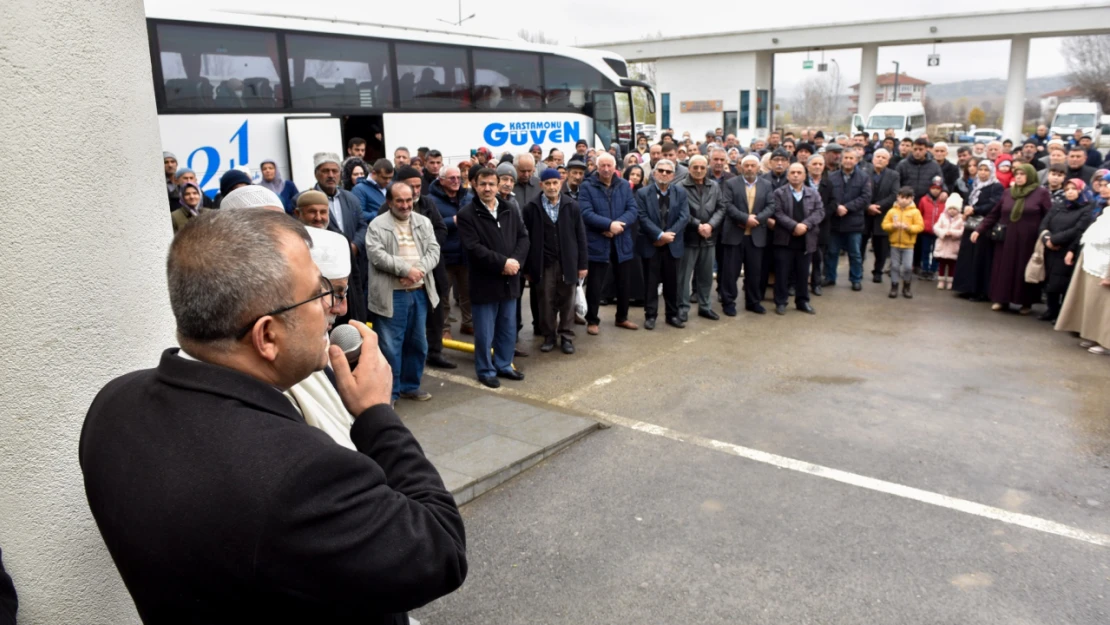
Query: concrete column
{"type": "Point", "coordinates": [83, 285]}
{"type": "Point", "coordinates": [868, 76]}
{"type": "Point", "coordinates": [1014, 110]}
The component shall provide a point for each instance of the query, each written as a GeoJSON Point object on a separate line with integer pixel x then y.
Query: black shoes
{"type": "Point", "coordinates": [547, 346]}
{"type": "Point", "coordinates": [816, 290]}
{"type": "Point", "coordinates": [491, 382]}
{"type": "Point", "coordinates": [649, 323]}
{"type": "Point", "coordinates": [675, 322]}
{"type": "Point", "coordinates": [893, 290]}
{"type": "Point", "coordinates": [684, 317]}
{"type": "Point", "coordinates": [511, 374]}
{"type": "Point", "coordinates": [877, 279]}
{"type": "Point", "coordinates": [780, 309]}
{"type": "Point", "coordinates": [438, 361]}
{"type": "Point", "coordinates": [807, 309]}
{"type": "Point", "coordinates": [757, 309]}
{"type": "Point", "coordinates": [568, 347]}
{"type": "Point", "coordinates": [828, 283]}
{"type": "Point", "coordinates": [729, 312]}
{"type": "Point", "coordinates": [708, 314]}
{"type": "Point", "coordinates": [857, 286]}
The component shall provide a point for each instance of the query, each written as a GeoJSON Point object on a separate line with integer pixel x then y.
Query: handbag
{"type": "Point", "coordinates": [972, 223]}
{"type": "Point", "coordinates": [998, 233]}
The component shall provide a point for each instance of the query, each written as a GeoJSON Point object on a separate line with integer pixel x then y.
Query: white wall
{"type": "Point", "coordinates": [81, 273]}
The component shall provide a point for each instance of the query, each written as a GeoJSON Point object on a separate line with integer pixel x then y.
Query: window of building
{"type": "Point", "coordinates": [568, 83]}
{"type": "Point", "coordinates": [761, 101]}
{"type": "Point", "coordinates": [430, 76]}
{"type": "Point", "coordinates": [209, 67]}
{"type": "Point", "coordinates": [334, 72]}
{"type": "Point", "coordinates": [745, 109]}
{"type": "Point", "coordinates": [729, 123]}
{"type": "Point", "coordinates": [507, 81]}
{"type": "Point", "coordinates": [666, 110]}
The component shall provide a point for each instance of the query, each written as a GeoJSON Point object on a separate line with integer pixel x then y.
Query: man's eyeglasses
{"type": "Point", "coordinates": [664, 171]}
{"type": "Point", "coordinates": [327, 294]}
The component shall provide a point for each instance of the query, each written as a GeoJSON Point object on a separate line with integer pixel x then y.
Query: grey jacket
{"type": "Point", "coordinates": [386, 265]}
{"type": "Point", "coordinates": [707, 206]}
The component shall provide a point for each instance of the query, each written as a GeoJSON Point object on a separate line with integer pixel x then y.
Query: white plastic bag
{"type": "Point", "coordinates": [580, 300]}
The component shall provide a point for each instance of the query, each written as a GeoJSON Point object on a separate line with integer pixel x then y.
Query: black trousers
{"type": "Point", "coordinates": [728, 273]}
{"type": "Point", "coordinates": [750, 257]}
{"type": "Point", "coordinates": [817, 265]}
{"type": "Point", "coordinates": [882, 254]}
{"type": "Point", "coordinates": [767, 264]}
{"type": "Point", "coordinates": [791, 267]}
{"type": "Point", "coordinates": [595, 283]}
{"type": "Point", "coordinates": [661, 268]}
{"type": "Point", "coordinates": [436, 317]}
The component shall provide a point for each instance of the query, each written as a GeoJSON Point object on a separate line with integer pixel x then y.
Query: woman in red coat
{"type": "Point", "coordinates": [1020, 212]}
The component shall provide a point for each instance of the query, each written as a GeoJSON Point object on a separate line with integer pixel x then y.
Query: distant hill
{"type": "Point", "coordinates": [992, 89]}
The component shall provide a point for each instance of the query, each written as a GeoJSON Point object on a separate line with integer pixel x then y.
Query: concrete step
{"type": "Point", "coordinates": [483, 440]}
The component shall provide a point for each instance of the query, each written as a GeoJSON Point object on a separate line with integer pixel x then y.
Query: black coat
{"type": "Point", "coordinates": [737, 211]}
{"type": "Point", "coordinates": [573, 254]}
{"type": "Point", "coordinates": [854, 194]}
{"type": "Point", "coordinates": [884, 194]}
{"type": "Point", "coordinates": [488, 245]}
{"type": "Point", "coordinates": [1084, 173]}
{"type": "Point", "coordinates": [219, 504]}
{"type": "Point", "coordinates": [1066, 225]}
{"type": "Point", "coordinates": [951, 173]}
{"type": "Point", "coordinates": [918, 174]}
{"type": "Point", "coordinates": [824, 189]}
{"type": "Point", "coordinates": [9, 603]}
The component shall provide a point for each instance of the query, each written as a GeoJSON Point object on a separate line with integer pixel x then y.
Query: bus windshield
{"type": "Point", "coordinates": [896, 122]}
{"type": "Point", "coordinates": [1075, 120]}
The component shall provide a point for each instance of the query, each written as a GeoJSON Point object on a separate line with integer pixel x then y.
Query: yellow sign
{"type": "Point", "coordinates": [702, 106]}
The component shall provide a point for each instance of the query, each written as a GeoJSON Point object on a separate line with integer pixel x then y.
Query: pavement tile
{"type": "Point", "coordinates": [497, 410]}
{"type": "Point", "coordinates": [453, 480]}
{"type": "Point", "coordinates": [486, 455]}
{"type": "Point", "coordinates": [548, 428]}
{"type": "Point", "coordinates": [444, 431]}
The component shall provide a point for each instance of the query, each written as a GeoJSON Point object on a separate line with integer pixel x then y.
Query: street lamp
{"type": "Point", "coordinates": [836, 90]}
{"type": "Point", "coordinates": [896, 66]}
{"type": "Point", "coordinates": [461, 18]}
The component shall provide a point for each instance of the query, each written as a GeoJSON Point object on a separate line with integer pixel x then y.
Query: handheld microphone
{"type": "Point", "coordinates": [348, 338]}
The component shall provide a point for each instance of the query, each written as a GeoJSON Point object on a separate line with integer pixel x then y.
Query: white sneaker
{"type": "Point", "coordinates": [940, 284]}
{"type": "Point", "coordinates": [1087, 344]}
{"type": "Point", "coordinates": [1100, 350]}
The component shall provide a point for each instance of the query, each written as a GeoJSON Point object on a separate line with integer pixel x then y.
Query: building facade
{"type": "Point", "coordinates": [910, 89]}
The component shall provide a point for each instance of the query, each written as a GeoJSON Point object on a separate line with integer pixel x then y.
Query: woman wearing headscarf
{"type": "Point", "coordinates": [351, 172]}
{"type": "Point", "coordinates": [973, 264]}
{"type": "Point", "coordinates": [1013, 225]}
{"type": "Point", "coordinates": [634, 174]}
{"type": "Point", "coordinates": [1086, 308]}
{"type": "Point", "coordinates": [1061, 230]}
{"type": "Point", "coordinates": [1004, 169]}
{"type": "Point", "coordinates": [272, 180]}
{"type": "Point", "coordinates": [192, 204]}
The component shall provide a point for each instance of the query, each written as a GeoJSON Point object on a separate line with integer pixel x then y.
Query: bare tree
{"type": "Point", "coordinates": [931, 110]}
{"type": "Point", "coordinates": [1088, 60]}
{"type": "Point", "coordinates": [946, 112]}
{"type": "Point", "coordinates": [1032, 111]}
{"type": "Point", "coordinates": [816, 103]}
{"type": "Point", "coordinates": [536, 37]}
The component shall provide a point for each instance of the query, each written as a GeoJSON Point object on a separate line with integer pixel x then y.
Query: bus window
{"type": "Point", "coordinates": [508, 81]}
{"type": "Point", "coordinates": [432, 77]}
{"type": "Point", "coordinates": [568, 83]}
{"type": "Point", "coordinates": [604, 107]}
{"type": "Point", "coordinates": [223, 68]}
{"type": "Point", "coordinates": [334, 72]}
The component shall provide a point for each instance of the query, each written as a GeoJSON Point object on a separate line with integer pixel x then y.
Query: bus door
{"type": "Point", "coordinates": [604, 113]}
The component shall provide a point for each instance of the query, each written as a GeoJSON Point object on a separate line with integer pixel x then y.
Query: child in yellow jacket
{"type": "Point", "coordinates": [902, 223]}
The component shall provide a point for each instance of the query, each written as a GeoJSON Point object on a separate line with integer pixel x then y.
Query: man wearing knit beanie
{"type": "Point", "coordinates": [506, 181]}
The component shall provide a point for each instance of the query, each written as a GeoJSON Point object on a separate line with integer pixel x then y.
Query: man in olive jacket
{"type": "Point", "coordinates": [218, 503]}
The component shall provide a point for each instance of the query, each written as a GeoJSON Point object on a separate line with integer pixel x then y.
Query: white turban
{"type": "Point", "coordinates": [320, 158]}
{"type": "Point", "coordinates": [331, 252]}
{"type": "Point", "coordinates": [252, 196]}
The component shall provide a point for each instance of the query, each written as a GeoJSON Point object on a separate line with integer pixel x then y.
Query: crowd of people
{"type": "Point", "coordinates": [1009, 225]}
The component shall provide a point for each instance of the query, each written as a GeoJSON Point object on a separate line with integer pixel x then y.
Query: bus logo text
{"type": "Point", "coordinates": [523, 133]}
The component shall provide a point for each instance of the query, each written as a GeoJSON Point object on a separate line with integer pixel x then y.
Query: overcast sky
{"type": "Point", "coordinates": [579, 22]}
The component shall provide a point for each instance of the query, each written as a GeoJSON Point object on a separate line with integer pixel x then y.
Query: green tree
{"type": "Point", "coordinates": [976, 116]}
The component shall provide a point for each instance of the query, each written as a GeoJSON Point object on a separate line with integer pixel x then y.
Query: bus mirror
{"type": "Point", "coordinates": [651, 102]}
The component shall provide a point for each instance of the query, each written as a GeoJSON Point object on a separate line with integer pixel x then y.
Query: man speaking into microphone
{"type": "Point", "coordinates": [217, 502]}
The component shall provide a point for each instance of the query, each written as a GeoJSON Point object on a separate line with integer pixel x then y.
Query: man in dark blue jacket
{"type": "Point", "coordinates": [851, 194]}
{"type": "Point", "coordinates": [663, 215]}
{"type": "Point", "coordinates": [607, 210]}
{"type": "Point", "coordinates": [449, 197]}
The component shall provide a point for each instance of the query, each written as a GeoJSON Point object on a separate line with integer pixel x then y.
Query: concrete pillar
{"type": "Point", "coordinates": [84, 293]}
{"type": "Point", "coordinates": [868, 77]}
{"type": "Point", "coordinates": [1014, 111]}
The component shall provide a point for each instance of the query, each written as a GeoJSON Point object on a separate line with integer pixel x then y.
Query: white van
{"type": "Point", "coordinates": [906, 118]}
{"type": "Point", "coordinates": [1072, 116]}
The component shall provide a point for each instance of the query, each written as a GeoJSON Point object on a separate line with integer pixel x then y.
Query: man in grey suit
{"type": "Point", "coordinates": [663, 215]}
{"type": "Point", "coordinates": [749, 209]}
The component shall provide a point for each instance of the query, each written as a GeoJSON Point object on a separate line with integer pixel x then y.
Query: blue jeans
{"type": "Point", "coordinates": [494, 327]}
{"type": "Point", "coordinates": [845, 240]}
{"type": "Point", "coordinates": [928, 244]}
{"type": "Point", "coordinates": [403, 340]}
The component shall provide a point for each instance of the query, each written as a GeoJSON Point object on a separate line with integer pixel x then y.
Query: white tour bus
{"type": "Point", "coordinates": [906, 118]}
{"type": "Point", "coordinates": [234, 89]}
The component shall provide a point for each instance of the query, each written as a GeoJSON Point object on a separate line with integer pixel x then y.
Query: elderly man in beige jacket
{"type": "Point", "coordinates": [402, 249]}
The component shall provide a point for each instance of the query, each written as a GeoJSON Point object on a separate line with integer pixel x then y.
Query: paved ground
{"type": "Point", "coordinates": [990, 415]}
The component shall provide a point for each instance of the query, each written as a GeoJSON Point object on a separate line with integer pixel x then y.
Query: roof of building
{"type": "Point", "coordinates": [888, 79]}
{"type": "Point", "coordinates": [1069, 92]}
